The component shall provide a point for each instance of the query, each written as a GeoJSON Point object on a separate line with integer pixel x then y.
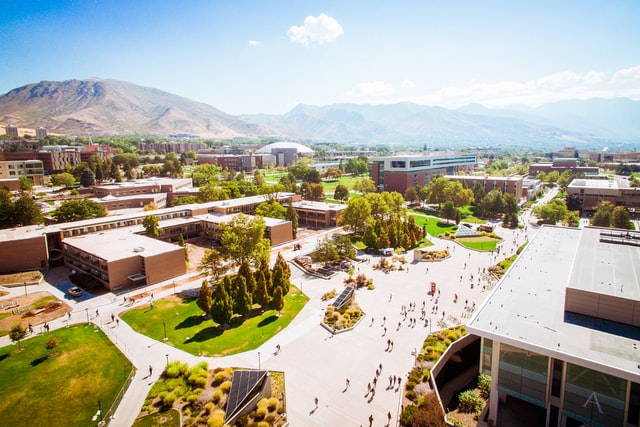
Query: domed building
{"type": "Point", "coordinates": [286, 152]}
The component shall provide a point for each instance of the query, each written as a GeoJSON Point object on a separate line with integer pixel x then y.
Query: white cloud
{"type": "Point", "coordinates": [255, 43]}
{"type": "Point", "coordinates": [408, 84]}
{"type": "Point", "coordinates": [365, 91]}
{"type": "Point", "coordinates": [551, 88]}
{"type": "Point", "coordinates": [319, 29]}
{"type": "Point", "coordinates": [627, 75]}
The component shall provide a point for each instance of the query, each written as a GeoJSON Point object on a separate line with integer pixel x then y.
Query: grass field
{"type": "Point", "coordinates": [480, 243]}
{"type": "Point", "coordinates": [330, 186]}
{"type": "Point", "coordinates": [60, 387]}
{"type": "Point", "coordinates": [189, 331]}
{"type": "Point", "coordinates": [434, 225]}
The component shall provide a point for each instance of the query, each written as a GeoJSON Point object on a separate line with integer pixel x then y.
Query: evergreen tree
{"type": "Point", "coordinates": [292, 216]}
{"type": "Point", "coordinates": [279, 280]}
{"type": "Point", "coordinates": [277, 302]}
{"type": "Point", "coordinates": [221, 307]}
{"type": "Point", "coordinates": [204, 297]}
{"type": "Point", "coordinates": [260, 294]}
{"type": "Point", "coordinates": [620, 218]}
{"type": "Point", "coordinates": [266, 272]}
{"type": "Point", "coordinates": [242, 299]}
{"type": "Point", "coordinates": [186, 249]}
{"type": "Point", "coordinates": [250, 280]}
{"type": "Point", "coordinates": [383, 241]}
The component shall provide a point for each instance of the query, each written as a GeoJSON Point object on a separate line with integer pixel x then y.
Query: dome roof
{"type": "Point", "coordinates": [301, 149]}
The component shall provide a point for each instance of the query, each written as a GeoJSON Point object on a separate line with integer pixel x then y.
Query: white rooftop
{"type": "Point", "coordinates": [114, 246]}
{"type": "Point", "coordinates": [526, 309]}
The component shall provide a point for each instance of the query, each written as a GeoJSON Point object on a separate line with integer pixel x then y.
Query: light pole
{"type": "Point", "coordinates": [100, 412]}
{"type": "Point", "coordinates": [174, 286]}
{"type": "Point", "coordinates": [87, 311]}
{"type": "Point", "coordinates": [167, 357]}
{"type": "Point", "coordinates": [258, 361]}
{"type": "Point", "coordinates": [25, 288]}
{"type": "Point", "coordinates": [164, 325]}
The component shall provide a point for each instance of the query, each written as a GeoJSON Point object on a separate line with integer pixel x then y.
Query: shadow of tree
{"type": "Point", "coordinates": [190, 321]}
{"type": "Point", "coordinates": [39, 360]}
{"type": "Point", "coordinates": [3, 356]}
{"type": "Point", "coordinates": [267, 320]}
{"type": "Point", "coordinates": [205, 334]}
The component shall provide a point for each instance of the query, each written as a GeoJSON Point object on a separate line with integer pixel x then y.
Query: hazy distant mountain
{"type": "Point", "coordinates": [112, 107]}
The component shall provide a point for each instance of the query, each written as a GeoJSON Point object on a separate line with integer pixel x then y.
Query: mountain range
{"type": "Point", "coordinates": [112, 107]}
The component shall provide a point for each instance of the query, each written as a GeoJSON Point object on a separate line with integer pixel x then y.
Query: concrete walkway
{"type": "Point", "coordinates": [317, 363]}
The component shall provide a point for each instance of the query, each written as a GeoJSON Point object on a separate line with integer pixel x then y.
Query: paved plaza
{"type": "Point", "coordinates": [317, 363]}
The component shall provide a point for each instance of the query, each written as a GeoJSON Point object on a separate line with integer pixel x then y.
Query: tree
{"type": "Point", "coordinates": [271, 209]}
{"type": "Point", "coordinates": [552, 212]}
{"type": "Point", "coordinates": [411, 195]}
{"type": "Point", "coordinates": [326, 251]}
{"type": "Point", "coordinates": [242, 299]}
{"type": "Point", "coordinates": [151, 206]}
{"type": "Point", "coordinates": [277, 301]}
{"type": "Point", "coordinates": [620, 218]}
{"type": "Point", "coordinates": [510, 211]}
{"type": "Point", "coordinates": [317, 192]}
{"type": "Point", "coordinates": [212, 192]}
{"type": "Point", "coordinates": [26, 184]}
{"type": "Point", "coordinates": [243, 238]}
{"type": "Point", "coordinates": [182, 244]}
{"type": "Point", "coordinates": [602, 216]}
{"type": "Point", "coordinates": [448, 210]}
{"type": "Point", "coordinates": [341, 193]}
{"type": "Point", "coordinates": [364, 185]}
{"type": "Point", "coordinates": [261, 292]}
{"type": "Point", "coordinates": [26, 211]}
{"type": "Point", "coordinates": [171, 165]}
{"type": "Point", "coordinates": [292, 215]}
{"type": "Point", "coordinates": [214, 264]}
{"type": "Point", "coordinates": [204, 300]}
{"type": "Point", "coordinates": [221, 307]}
{"type": "Point", "coordinates": [6, 209]}
{"type": "Point", "coordinates": [17, 333]}
{"type": "Point", "coordinates": [63, 179]}
{"type": "Point", "coordinates": [572, 219]}
{"type": "Point", "coordinates": [281, 274]}
{"type": "Point", "coordinates": [87, 178]}
{"type": "Point", "coordinates": [78, 210]}
{"type": "Point", "coordinates": [356, 215]}
{"type": "Point", "coordinates": [151, 227]}
{"type": "Point", "coordinates": [344, 246]}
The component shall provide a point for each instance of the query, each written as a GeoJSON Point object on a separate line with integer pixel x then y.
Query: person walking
{"type": "Point", "coordinates": [150, 370]}
{"type": "Point", "coordinates": [316, 401]}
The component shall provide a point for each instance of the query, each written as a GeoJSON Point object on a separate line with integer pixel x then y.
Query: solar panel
{"type": "Point", "coordinates": [244, 384]}
{"type": "Point", "coordinates": [344, 296]}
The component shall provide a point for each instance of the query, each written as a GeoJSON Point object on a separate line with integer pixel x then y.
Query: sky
{"type": "Point", "coordinates": [248, 57]}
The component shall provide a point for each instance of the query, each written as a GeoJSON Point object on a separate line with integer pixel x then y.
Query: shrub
{"type": "Point", "coordinates": [371, 287]}
{"type": "Point", "coordinates": [262, 403]}
{"type": "Point", "coordinates": [484, 384]}
{"type": "Point", "coordinates": [411, 395]}
{"type": "Point", "coordinates": [273, 403]}
{"type": "Point", "coordinates": [225, 386]}
{"type": "Point", "coordinates": [219, 378]}
{"type": "Point", "coordinates": [169, 399]}
{"type": "Point", "coordinates": [208, 407]}
{"type": "Point", "coordinates": [470, 402]}
{"type": "Point", "coordinates": [192, 398]}
{"type": "Point", "coordinates": [197, 381]}
{"type": "Point", "coordinates": [263, 424]}
{"type": "Point", "coordinates": [217, 396]}
{"type": "Point", "coordinates": [261, 413]}
{"type": "Point", "coordinates": [215, 422]}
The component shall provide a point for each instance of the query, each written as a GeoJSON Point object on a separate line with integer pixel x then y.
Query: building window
{"type": "Point", "coordinates": [523, 374]}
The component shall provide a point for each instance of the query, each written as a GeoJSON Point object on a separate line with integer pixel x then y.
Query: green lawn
{"type": "Point", "coordinates": [189, 331]}
{"type": "Point", "coordinates": [60, 387]}
{"type": "Point", "coordinates": [434, 225]}
{"type": "Point", "coordinates": [330, 186]}
{"type": "Point", "coordinates": [481, 243]}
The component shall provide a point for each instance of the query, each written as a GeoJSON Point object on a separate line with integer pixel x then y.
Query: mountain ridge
{"type": "Point", "coordinates": [111, 107]}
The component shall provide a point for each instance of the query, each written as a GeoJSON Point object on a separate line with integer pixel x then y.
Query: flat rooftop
{"type": "Point", "coordinates": [114, 246]}
{"type": "Point", "coordinates": [594, 183]}
{"type": "Point", "coordinates": [526, 309]}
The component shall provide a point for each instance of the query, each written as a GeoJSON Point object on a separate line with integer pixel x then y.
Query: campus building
{"type": "Point", "coordinates": [506, 184]}
{"type": "Point", "coordinates": [560, 331]}
{"type": "Point", "coordinates": [397, 173]}
{"type": "Point", "coordinates": [12, 171]}
{"type": "Point", "coordinates": [560, 165]}
{"type": "Point", "coordinates": [590, 192]}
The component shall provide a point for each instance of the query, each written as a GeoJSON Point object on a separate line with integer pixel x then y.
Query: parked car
{"type": "Point", "coordinates": [75, 292]}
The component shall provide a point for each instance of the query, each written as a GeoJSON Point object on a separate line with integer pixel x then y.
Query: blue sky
{"type": "Point", "coordinates": [268, 56]}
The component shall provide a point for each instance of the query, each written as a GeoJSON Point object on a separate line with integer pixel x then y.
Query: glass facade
{"type": "Point", "coordinates": [487, 351]}
{"type": "Point", "coordinates": [523, 374]}
{"type": "Point", "coordinates": [594, 398]}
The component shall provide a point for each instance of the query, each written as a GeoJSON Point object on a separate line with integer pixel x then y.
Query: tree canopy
{"type": "Point", "coordinates": [78, 210]}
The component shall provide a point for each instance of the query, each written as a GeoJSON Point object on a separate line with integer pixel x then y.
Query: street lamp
{"type": "Point", "coordinates": [164, 325]}
{"type": "Point", "coordinates": [167, 357]}
{"type": "Point", "coordinates": [87, 311]}
{"type": "Point", "coordinates": [25, 288]}
{"type": "Point", "coordinates": [258, 361]}
{"type": "Point", "coordinates": [100, 412]}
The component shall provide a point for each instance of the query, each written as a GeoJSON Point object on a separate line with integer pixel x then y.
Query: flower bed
{"type": "Point", "coordinates": [345, 318]}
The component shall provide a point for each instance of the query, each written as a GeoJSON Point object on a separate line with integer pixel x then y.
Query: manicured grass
{"type": "Point", "coordinates": [188, 330]}
{"type": "Point", "coordinates": [435, 227]}
{"type": "Point", "coordinates": [170, 418]}
{"type": "Point", "coordinates": [481, 243]}
{"type": "Point", "coordinates": [60, 387]}
{"type": "Point", "coordinates": [330, 186]}
{"type": "Point", "coordinates": [28, 276]}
